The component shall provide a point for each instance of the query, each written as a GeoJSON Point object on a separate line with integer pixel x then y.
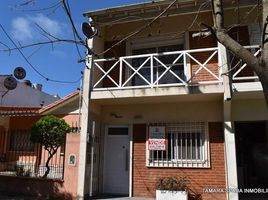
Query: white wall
{"type": "Point", "coordinates": [164, 112]}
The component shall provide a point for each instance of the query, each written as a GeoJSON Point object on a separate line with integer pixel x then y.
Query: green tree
{"type": "Point", "coordinates": [50, 132]}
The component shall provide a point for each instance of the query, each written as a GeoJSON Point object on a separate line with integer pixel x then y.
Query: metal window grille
{"type": "Point", "coordinates": [20, 141]}
{"type": "Point", "coordinates": [187, 145]}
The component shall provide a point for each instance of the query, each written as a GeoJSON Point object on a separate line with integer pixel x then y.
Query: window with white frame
{"type": "Point", "coordinates": [167, 68]}
{"type": "Point", "coordinates": [186, 145]}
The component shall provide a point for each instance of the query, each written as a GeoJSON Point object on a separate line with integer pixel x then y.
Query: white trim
{"type": "Point", "coordinates": [230, 151]}
{"type": "Point", "coordinates": [183, 127]}
{"type": "Point", "coordinates": [130, 159]}
{"type": "Point", "coordinates": [155, 41]}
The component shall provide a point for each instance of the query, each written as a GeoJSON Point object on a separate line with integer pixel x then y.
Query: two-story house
{"type": "Point", "coordinates": [162, 102]}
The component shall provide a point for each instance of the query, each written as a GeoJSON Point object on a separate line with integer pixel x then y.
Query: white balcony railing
{"type": "Point", "coordinates": [177, 68]}
{"type": "Point", "coordinates": [241, 70]}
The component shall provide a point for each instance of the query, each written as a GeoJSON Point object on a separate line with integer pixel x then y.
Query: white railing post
{"type": "Point", "coordinates": [120, 71]}
{"type": "Point", "coordinates": [186, 68]}
{"type": "Point", "coordinates": [152, 71]}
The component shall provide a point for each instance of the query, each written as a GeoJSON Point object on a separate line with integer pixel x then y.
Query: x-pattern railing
{"type": "Point", "coordinates": [237, 74]}
{"type": "Point", "coordinates": [150, 61]}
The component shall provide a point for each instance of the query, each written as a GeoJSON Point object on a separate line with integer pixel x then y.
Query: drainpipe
{"type": "Point", "coordinates": [229, 135]}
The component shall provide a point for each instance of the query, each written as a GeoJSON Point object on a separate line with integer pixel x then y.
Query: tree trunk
{"type": "Point", "coordinates": [258, 65]}
{"type": "Point", "coordinates": [47, 164]}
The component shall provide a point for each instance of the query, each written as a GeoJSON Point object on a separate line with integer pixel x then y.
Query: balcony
{"type": "Point", "coordinates": [196, 71]}
{"type": "Point", "coordinates": [243, 78]}
{"type": "Point", "coordinates": [177, 68]}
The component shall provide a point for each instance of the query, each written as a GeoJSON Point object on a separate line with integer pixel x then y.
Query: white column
{"type": "Point", "coordinates": [84, 129]}
{"type": "Point", "coordinates": [230, 151]}
{"type": "Point", "coordinates": [229, 135]}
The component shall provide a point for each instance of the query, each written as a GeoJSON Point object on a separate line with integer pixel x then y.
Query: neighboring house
{"type": "Point", "coordinates": [20, 157]}
{"type": "Point", "coordinates": [24, 95]}
{"type": "Point", "coordinates": [164, 83]}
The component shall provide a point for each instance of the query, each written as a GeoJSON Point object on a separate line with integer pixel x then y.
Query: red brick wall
{"type": "Point", "coordinates": [200, 43]}
{"type": "Point", "coordinates": [144, 178]}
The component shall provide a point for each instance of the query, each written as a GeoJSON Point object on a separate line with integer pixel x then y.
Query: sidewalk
{"type": "Point", "coordinates": [21, 197]}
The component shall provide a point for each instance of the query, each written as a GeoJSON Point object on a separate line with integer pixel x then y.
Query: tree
{"type": "Point", "coordinates": [258, 65]}
{"type": "Point", "coordinates": [50, 132]}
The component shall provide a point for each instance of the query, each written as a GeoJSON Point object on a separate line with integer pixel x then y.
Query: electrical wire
{"type": "Point", "coordinates": [37, 10]}
{"type": "Point", "coordinates": [140, 29]}
{"type": "Point", "coordinates": [74, 35]}
{"type": "Point", "coordinates": [31, 65]}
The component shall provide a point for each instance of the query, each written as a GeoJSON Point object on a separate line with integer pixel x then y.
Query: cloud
{"type": "Point", "coordinates": [21, 29]}
{"type": "Point", "coordinates": [52, 26]}
{"type": "Point", "coordinates": [25, 30]}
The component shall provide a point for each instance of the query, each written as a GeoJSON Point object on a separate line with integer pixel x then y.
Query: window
{"type": "Point", "coordinates": [186, 146]}
{"type": "Point", "coordinates": [159, 71]}
{"type": "Point", "coordinates": [20, 141]}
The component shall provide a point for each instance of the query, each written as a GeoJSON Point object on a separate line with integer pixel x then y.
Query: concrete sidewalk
{"type": "Point", "coordinates": [21, 197]}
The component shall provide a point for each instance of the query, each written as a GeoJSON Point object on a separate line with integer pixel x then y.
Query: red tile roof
{"type": "Point", "coordinates": [18, 111]}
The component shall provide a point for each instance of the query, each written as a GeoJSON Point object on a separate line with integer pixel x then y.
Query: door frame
{"type": "Point", "coordinates": [130, 143]}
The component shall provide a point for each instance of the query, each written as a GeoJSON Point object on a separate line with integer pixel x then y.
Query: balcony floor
{"type": "Point", "coordinates": [163, 94]}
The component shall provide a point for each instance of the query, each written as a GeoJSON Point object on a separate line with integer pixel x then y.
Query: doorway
{"type": "Point", "coordinates": [116, 161]}
{"type": "Point", "coordinates": [252, 155]}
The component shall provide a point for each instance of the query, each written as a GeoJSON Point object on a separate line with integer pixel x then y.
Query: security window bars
{"type": "Point", "coordinates": [20, 141]}
{"type": "Point", "coordinates": [187, 145]}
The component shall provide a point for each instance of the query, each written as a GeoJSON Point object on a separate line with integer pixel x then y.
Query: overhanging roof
{"type": "Point", "coordinates": [150, 9]}
{"type": "Point", "coordinates": [57, 104]}
{"type": "Point", "coordinates": [6, 111]}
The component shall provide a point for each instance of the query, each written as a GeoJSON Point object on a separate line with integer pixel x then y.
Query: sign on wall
{"type": "Point", "coordinates": [157, 138]}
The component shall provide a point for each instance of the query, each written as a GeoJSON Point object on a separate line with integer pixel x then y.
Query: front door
{"type": "Point", "coordinates": [116, 161]}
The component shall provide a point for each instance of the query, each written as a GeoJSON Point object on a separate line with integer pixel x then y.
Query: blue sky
{"type": "Point", "coordinates": [57, 62]}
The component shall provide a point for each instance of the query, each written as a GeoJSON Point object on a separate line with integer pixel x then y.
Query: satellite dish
{"type": "Point", "coordinates": [10, 83]}
{"type": "Point", "coordinates": [88, 31]}
{"type": "Point", "coordinates": [19, 73]}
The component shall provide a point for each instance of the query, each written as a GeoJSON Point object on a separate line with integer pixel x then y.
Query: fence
{"type": "Point", "coordinates": [20, 157]}
{"type": "Point", "coordinates": [176, 68]}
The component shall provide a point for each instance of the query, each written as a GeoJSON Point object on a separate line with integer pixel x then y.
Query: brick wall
{"type": "Point", "coordinates": [144, 178]}
{"type": "Point", "coordinates": [200, 43]}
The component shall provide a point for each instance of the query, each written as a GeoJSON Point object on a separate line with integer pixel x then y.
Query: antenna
{"type": "Point", "coordinates": [10, 83]}
{"type": "Point", "coordinates": [19, 73]}
{"type": "Point", "coordinates": [88, 30]}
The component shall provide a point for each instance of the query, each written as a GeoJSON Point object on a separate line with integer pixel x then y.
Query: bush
{"type": "Point", "coordinates": [171, 183]}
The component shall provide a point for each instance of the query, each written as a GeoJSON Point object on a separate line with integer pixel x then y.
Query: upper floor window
{"type": "Point", "coordinates": [167, 68]}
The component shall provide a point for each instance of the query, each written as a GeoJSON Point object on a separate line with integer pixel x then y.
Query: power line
{"type": "Point", "coordinates": [31, 65]}
{"type": "Point", "coordinates": [36, 10]}
{"type": "Point", "coordinates": [73, 29]}
{"type": "Point", "coordinates": [140, 29]}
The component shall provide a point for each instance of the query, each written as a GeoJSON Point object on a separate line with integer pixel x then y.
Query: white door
{"type": "Point", "coordinates": [116, 161]}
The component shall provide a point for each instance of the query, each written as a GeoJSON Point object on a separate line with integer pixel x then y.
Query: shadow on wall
{"type": "Point", "coordinates": [35, 187]}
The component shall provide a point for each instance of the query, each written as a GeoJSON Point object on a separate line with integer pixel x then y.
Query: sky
{"type": "Point", "coordinates": [21, 18]}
